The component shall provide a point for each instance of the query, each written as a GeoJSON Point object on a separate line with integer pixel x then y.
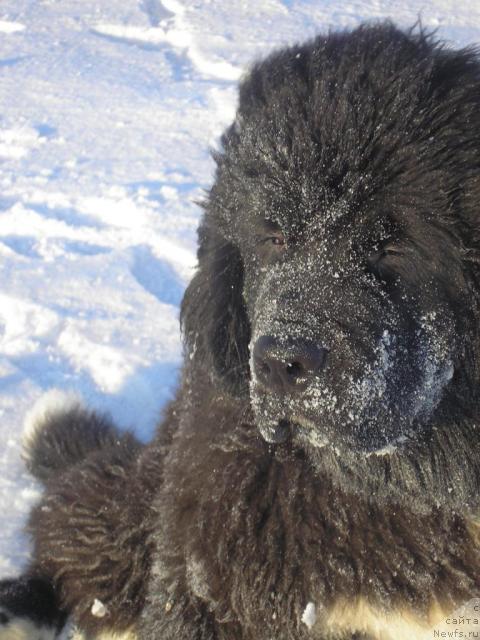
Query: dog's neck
{"type": "Point", "coordinates": [439, 468]}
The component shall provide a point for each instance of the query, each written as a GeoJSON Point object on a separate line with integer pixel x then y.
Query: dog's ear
{"type": "Point", "coordinates": [213, 315]}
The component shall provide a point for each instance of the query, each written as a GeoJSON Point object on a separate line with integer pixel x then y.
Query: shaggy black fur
{"type": "Point", "coordinates": [52, 450]}
{"type": "Point", "coordinates": [344, 215]}
{"type": "Point", "coordinates": [32, 599]}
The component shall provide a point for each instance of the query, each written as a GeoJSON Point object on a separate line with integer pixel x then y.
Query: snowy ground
{"type": "Point", "coordinates": [108, 111]}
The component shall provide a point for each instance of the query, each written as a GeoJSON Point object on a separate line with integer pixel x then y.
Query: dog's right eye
{"type": "Point", "coordinates": [272, 243]}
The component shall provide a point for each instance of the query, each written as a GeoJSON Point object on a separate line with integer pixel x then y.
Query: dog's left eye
{"type": "Point", "coordinates": [271, 243]}
{"type": "Point", "coordinates": [277, 240]}
{"type": "Point", "coordinates": [376, 256]}
{"type": "Point", "coordinates": [380, 262]}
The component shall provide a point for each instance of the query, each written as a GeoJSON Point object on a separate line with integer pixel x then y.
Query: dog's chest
{"type": "Point", "coordinates": [262, 536]}
{"type": "Point", "coordinates": [273, 542]}
{"type": "Point", "coordinates": [288, 617]}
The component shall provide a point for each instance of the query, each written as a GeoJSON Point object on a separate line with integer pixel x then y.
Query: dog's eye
{"type": "Point", "coordinates": [383, 253]}
{"type": "Point", "coordinates": [277, 240]}
{"type": "Point", "coordinates": [382, 262]}
{"type": "Point", "coordinates": [271, 242]}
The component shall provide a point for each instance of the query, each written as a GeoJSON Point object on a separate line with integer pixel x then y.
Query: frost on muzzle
{"type": "Point", "coordinates": [335, 361]}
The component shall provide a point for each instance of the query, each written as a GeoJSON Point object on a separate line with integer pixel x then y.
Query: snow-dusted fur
{"type": "Point", "coordinates": [344, 218]}
{"type": "Point", "coordinates": [52, 402]}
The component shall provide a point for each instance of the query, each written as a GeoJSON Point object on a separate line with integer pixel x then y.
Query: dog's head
{"type": "Point", "coordinates": [337, 280]}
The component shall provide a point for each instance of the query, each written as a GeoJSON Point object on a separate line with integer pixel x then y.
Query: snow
{"type": "Point", "coordinates": [309, 616]}
{"type": "Point", "coordinates": [10, 27]}
{"type": "Point", "coordinates": [99, 610]}
{"type": "Point", "coordinates": [108, 112]}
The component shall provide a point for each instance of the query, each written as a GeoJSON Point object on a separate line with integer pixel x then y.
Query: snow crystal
{"type": "Point", "coordinates": [98, 609]}
{"type": "Point", "coordinates": [309, 616]}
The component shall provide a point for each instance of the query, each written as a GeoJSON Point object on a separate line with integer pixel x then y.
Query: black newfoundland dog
{"type": "Point", "coordinates": [317, 475]}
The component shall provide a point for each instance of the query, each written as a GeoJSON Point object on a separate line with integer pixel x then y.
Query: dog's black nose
{"type": "Point", "coordinates": [287, 365]}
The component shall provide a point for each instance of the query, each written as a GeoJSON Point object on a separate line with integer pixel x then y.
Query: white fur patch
{"type": "Point", "coordinates": [125, 635]}
{"type": "Point", "coordinates": [70, 632]}
{"type": "Point", "coordinates": [50, 403]}
{"type": "Point", "coordinates": [105, 635]}
{"type": "Point", "coordinates": [23, 629]}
